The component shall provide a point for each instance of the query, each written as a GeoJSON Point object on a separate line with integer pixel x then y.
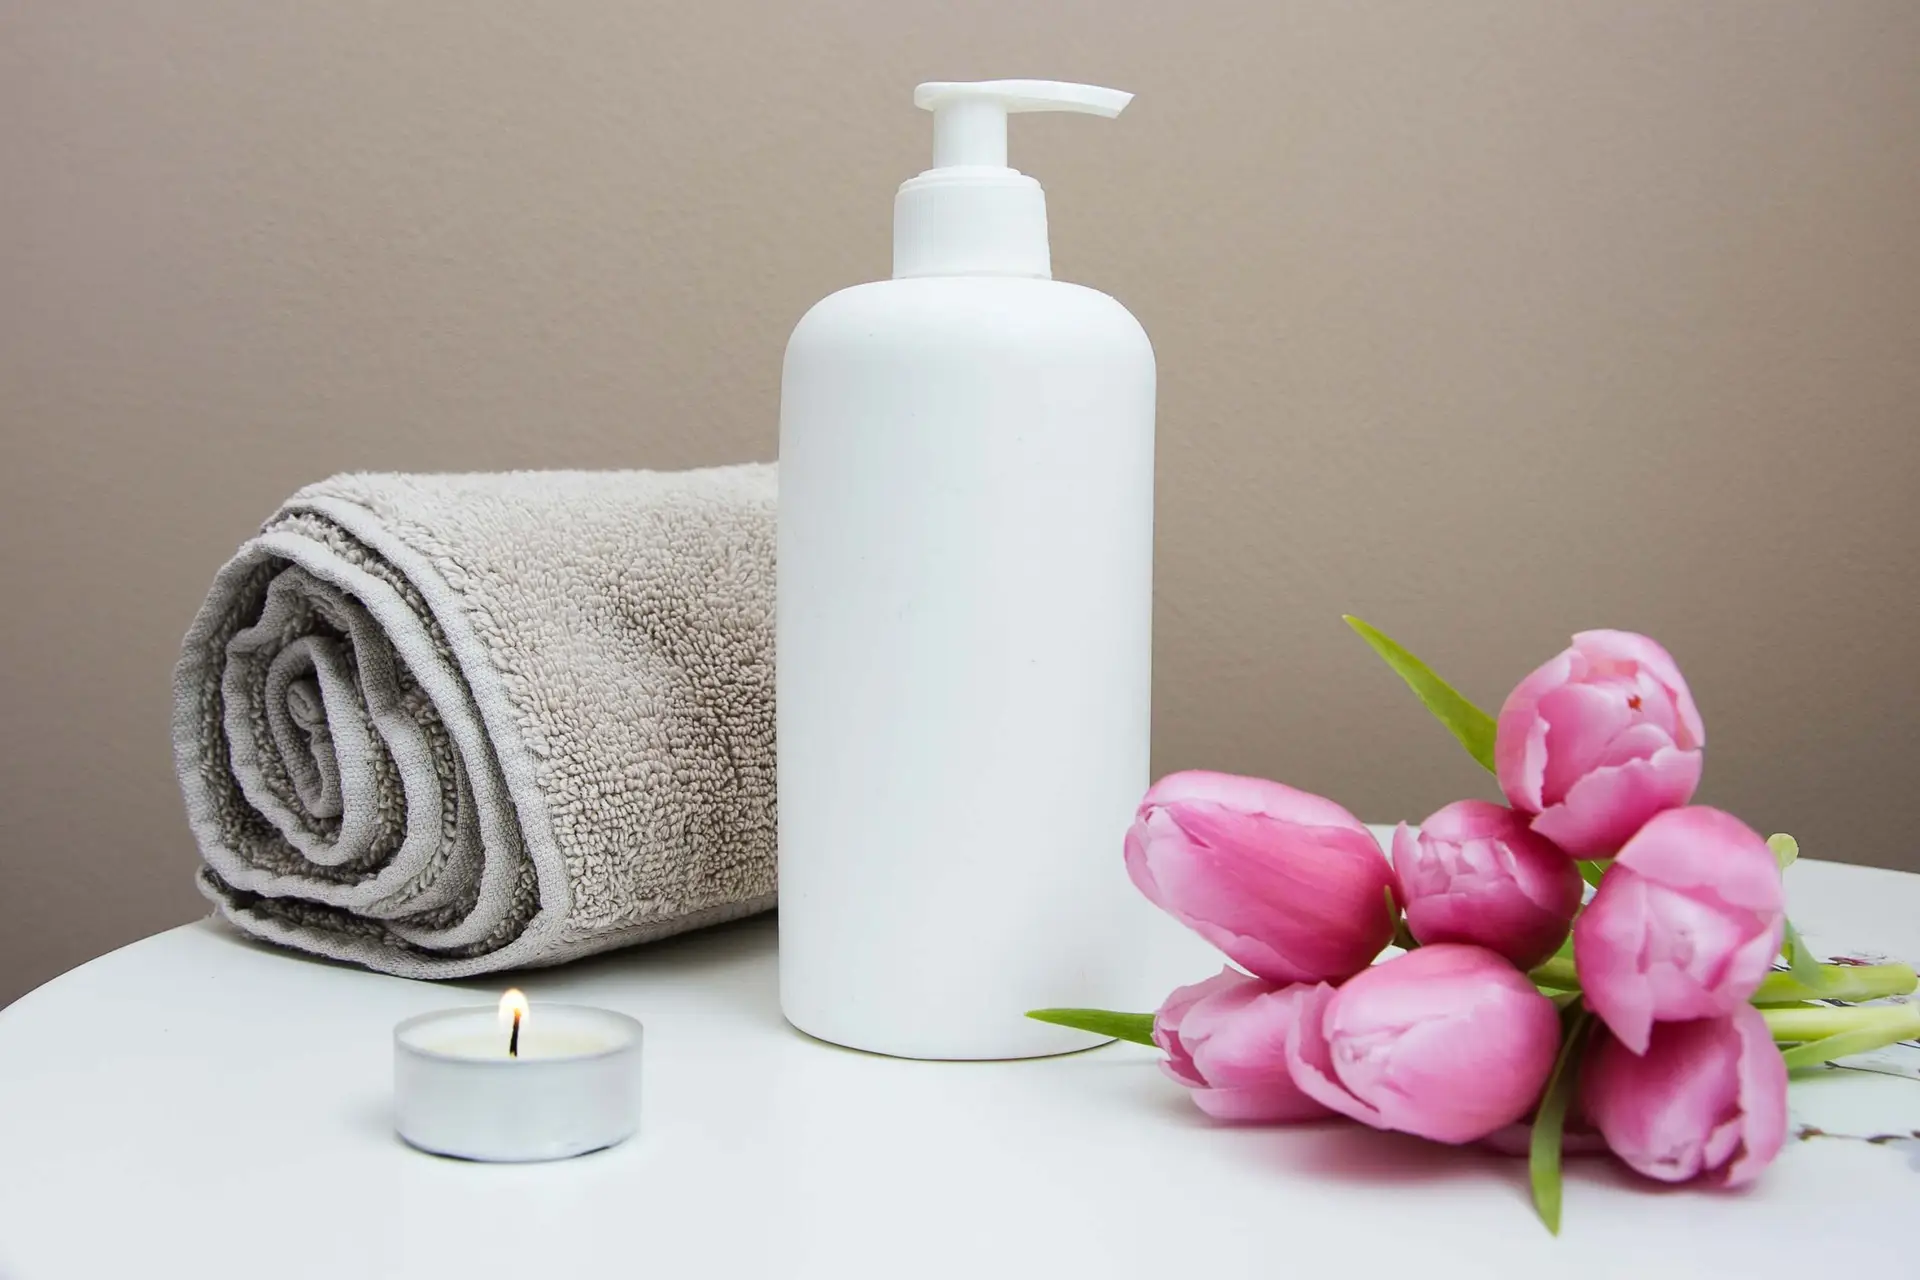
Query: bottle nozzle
{"type": "Point", "coordinates": [970, 119]}
{"type": "Point", "coordinates": [971, 215]}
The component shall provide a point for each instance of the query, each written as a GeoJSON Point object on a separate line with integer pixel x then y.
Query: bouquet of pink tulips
{"type": "Point", "coordinates": [1662, 1014]}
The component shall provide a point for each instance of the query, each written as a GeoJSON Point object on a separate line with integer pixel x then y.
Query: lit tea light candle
{"type": "Point", "coordinates": [513, 1011]}
{"type": "Point", "coordinates": [512, 1083]}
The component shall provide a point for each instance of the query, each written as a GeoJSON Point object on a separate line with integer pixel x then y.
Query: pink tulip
{"type": "Point", "coordinates": [1708, 1099]}
{"type": "Point", "coordinates": [1686, 923]}
{"type": "Point", "coordinates": [1290, 886]}
{"type": "Point", "coordinates": [1598, 740]}
{"type": "Point", "coordinates": [1226, 1039]}
{"type": "Point", "coordinates": [1448, 1042]}
{"type": "Point", "coordinates": [1476, 873]}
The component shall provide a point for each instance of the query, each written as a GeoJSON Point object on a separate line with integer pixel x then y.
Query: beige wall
{"type": "Point", "coordinates": [1488, 321]}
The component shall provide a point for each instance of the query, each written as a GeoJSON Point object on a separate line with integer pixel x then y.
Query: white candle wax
{"type": "Point", "coordinates": [574, 1086]}
{"type": "Point", "coordinates": [535, 1044]}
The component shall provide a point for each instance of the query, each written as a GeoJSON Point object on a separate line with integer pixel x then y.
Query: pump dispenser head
{"type": "Point", "coordinates": [971, 215]}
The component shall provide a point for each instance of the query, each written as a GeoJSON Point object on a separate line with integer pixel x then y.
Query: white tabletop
{"type": "Point", "coordinates": [200, 1105]}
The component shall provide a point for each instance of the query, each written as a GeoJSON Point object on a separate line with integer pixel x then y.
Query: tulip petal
{"type": "Point", "coordinates": [1225, 1039]}
{"type": "Point", "coordinates": [1658, 709]}
{"type": "Point", "coordinates": [1290, 903]}
{"type": "Point", "coordinates": [1688, 1095]}
{"type": "Point", "coordinates": [1407, 989]}
{"type": "Point", "coordinates": [1705, 848]}
{"type": "Point", "coordinates": [1520, 735]}
{"type": "Point", "coordinates": [1277, 1102]}
{"type": "Point", "coordinates": [1193, 900]}
{"type": "Point", "coordinates": [1157, 863]}
{"type": "Point", "coordinates": [1247, 1048]}
{"type": "Point", "coordinates": [1608, 938]}
{"type": "Point", "coordinates": [1583, 720]}
{"type": "Point", "coordinates": [1169, 1024]}
{"type": "Point", "coordinates": [1685, 925]}
{"type": "Point", "coordinates": [1310, 1059]}
{"type": "Point", "coordinates": [1470, 820]}
{"type": "Point", "coordinates": [1246, 795]}
{"type": "Point", "coordinates": [1179, 1067]}
{"type": "Point", "coordinates": [1763, 1097]}
{"type": "Point", "coordinates": [1447, 1042]}
{"type": "Point", "coordinates": [1610, 699]}
{"type": "Point", "coordinates": [1176, 1005]}
{"type": "Point", "coordinates": [1636, 742]}
{"type": "Point", "coordinates": [1708, 1099]}
{"type": "Point", "coordinates": [1722, 1141]}
{"type": "Point", "coordinates": [1606, 807]}
{"type": "Point", "coordinates": [1691, 943]}
{"type": "Point", "coordinates": [1622, 647]}
{"type": "Point", "coordinates": [1404, 854]}
{"type": "Point", "coordinates": [1658, 1110]}
{"type": "Point", "coordinates": [1477, 874]}
{"type": "Point", "coordinates": [1139, 869]}
{"type": "Point", "coordinates": [1218, 1012]}
{"type": "Point", "coordinates": [1749, 966]}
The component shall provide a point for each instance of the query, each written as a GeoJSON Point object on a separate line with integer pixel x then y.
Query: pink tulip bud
{"type": "Point", "coordinates": [1290, 886]}
{"type": "Point", "coordinates": [1477, 874]}
{"type": "Point", "coordinates": [1686, 923]}
{"type": "Point", "coordinates": [1708, 1099]}
{"type": "Point", "coordinates": [1226, 1039]}
{"type": "Point", "coordinates": [1598, 740]}
{"type": "Point", "coordinates": [1448, 1042]}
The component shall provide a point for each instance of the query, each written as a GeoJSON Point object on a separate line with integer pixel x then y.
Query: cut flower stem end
{"type": "Point", "coordinates": [1821, 1033]}
{"type": "Point", "coordinates": [1849, 983]}
{"type": "Point", "coordinates": [1818, 1032]}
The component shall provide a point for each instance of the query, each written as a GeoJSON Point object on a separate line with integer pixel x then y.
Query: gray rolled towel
{"type": "Point", "coordinates": [441, 725]}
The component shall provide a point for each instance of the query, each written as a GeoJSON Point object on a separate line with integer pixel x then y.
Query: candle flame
{"type": "Point", "coordinates": [513, 1005]}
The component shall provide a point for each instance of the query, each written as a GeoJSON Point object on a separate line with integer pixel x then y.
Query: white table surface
{"type": "Point", "coordinates": [199, 1105]}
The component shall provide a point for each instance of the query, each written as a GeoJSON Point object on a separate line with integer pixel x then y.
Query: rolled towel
{"type": "Point", "coordinates": [441, 725]}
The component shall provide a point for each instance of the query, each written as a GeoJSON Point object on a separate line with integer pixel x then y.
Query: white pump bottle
{"type": "Point", "coordinates": [965, 607]}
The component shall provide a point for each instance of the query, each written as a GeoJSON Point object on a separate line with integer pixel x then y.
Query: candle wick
{"type": "Point", "coordinates": [513, 1041]}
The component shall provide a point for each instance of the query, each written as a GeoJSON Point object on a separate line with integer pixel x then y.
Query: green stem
{"type": "Point", "coordinates": [1805, 1022]}
{"type": "Point", "coordinates": [1557, 973]}
{"type": "Point", "coordinates": [1851, 983]}
{"type": "Point", "coordinates": [1869, 1029]}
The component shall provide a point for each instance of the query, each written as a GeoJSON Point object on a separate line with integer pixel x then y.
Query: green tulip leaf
{"type": "Point", "coordinates": [1550, 1119]}
{"type": "Point", "coordinates": [1136, 1027]}
{"type": "Point", "coordinates": [1472, 726]}
{"type": "Point", "coordinates": [1785, 849]}
{"type": "Point", "coordinates": [1591, 869]}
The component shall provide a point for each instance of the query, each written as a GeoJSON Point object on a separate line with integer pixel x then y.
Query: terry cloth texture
{"type": "Point", "coordinates": [442, 725]}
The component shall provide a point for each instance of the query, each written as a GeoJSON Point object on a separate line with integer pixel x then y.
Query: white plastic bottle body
{"type": "Point", "coordinates": [965, 614]}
